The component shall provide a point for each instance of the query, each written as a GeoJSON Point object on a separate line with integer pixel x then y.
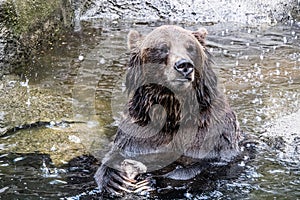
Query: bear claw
{"type": "Point", "coordinates": [119, 183]}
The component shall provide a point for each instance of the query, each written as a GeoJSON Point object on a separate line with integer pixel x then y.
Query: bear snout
{"type": "Point", "coordinates": [185, 68]}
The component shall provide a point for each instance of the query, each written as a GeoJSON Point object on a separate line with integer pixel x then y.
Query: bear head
{"type": "Point", "coordinates": [169, 55]}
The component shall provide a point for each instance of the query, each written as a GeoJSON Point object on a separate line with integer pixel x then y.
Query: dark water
{"type": "Point", "coordinates": [259, 68]}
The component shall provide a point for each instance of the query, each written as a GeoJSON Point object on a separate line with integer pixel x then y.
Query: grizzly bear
{"type": "Point", "coordinates": [176, 113]}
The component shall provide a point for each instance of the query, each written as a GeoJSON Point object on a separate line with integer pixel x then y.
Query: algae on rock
{"type": "Point", "coordinates": [28, 26]}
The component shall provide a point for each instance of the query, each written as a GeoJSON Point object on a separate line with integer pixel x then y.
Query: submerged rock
{"type": "Point", "coordinates": [23, 105]}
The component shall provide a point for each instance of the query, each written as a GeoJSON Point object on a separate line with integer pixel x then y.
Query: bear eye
{"type": "Point", "coordinates": [158, 54]}
{"type": "Point", "coordinates": [191, 48]}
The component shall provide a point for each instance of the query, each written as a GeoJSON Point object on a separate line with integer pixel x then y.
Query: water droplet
{"type": "Point", "coordinates": [277, 64]}
{"type": "Point", "coordinates": [258, 71]}
{"type": "Point", "coordinates": [284, 40]}
{"type": "Point", "coordinates": [261, 76]}
{"type": "Point", "coordinates": [258, 118]}
{"type": "Point", "coordinates": [222, 33]}
{"type": "Point", "coordinates": [53, 148]}
{"type": "Point", "coordinates": [28, 102]}
{"type": "Point", "coordinates": [24, 84]}
{"type": "Point", "coordinates": [261, 57]}
{"type": "Point", "coordinates": [254, 101]}
{"type": "Point", "coordinates": [286, 73]}
{"type": "Point", "coordinates": [249, 31]}
{"type": "Point", "coordinates": [74, 138]}
{"type": "Point", "coordinates": [242, 164]}
{"type": "Point", "coordinates": [290, 81]}
{"type": "Point", "coordinates": [102, 61]}
{"type": "Point", "coordinates": [80, 57]}
{"type": "Point", "coordinates": [234, 71]}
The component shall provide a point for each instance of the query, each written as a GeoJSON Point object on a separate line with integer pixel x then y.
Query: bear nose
{"type": "Point", "coordinates": [184, 67]}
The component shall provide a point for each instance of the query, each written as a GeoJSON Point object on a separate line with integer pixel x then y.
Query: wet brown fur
{"type": "Point", "coordinates": [207, 129]}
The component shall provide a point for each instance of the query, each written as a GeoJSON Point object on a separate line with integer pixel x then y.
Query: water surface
{"type": "Point", "coordinates": [259, 70]}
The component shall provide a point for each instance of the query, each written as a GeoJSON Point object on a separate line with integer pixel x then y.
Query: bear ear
{"type": "Point", "coordinates": [200, 35]}
{"type": "Point", "coordinates": [133, 39]}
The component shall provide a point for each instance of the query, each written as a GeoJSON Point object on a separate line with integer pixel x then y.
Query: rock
{"type": "Point", "coordinates": [284, 136]}
{"type": "Point", "coordinates": [28, 26]}
{"type": "Point", "coordinates": [248, 12]}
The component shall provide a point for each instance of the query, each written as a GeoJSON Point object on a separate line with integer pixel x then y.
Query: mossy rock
{"type": "Point", "coordinates": [28, 26]}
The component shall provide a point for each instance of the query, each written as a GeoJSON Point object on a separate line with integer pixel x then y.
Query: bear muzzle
{"type": "Point", "coordinates": [185, 68]}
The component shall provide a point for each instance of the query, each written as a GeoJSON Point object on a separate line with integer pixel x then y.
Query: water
{"type": "Point", "coordinates": [259, 68]}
